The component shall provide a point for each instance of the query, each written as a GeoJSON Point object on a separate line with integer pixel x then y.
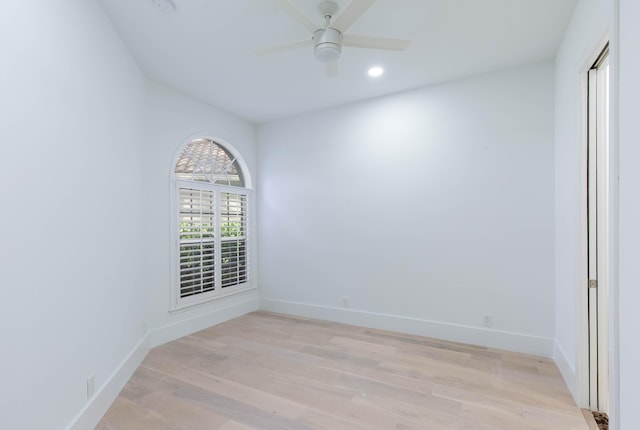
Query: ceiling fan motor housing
{"type": "Point", "coordinates": [328, 45]}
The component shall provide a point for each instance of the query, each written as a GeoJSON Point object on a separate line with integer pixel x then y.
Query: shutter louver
{"type": "Point", "coordinates": [197, 241]}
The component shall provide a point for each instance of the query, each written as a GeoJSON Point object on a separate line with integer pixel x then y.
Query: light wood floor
{"type": "Point", "coordinates": [271, 371]}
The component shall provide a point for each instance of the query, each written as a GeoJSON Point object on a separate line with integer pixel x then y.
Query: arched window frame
{"type": "Point", "coordinates": [219, 196]}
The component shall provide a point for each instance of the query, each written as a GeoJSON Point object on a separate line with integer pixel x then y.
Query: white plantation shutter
{"type": "Point", "coordinates": [211, 224]}
{"type": "Point", "coordinates": [196, 241]}
{"type": "Point", "coordinates": [233, 239]}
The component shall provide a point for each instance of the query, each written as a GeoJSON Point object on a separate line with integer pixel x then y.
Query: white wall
{"type": "Point", "coordinates": [583, 41]}
{"type": "Point", "coordinates": [172, 119]}
{"type": "Point", "coordinates": [87, 145]}
{"type": "Point", "coordinates": [71, 225]}
{"type": "Point", "coordinates": [427, 209]}
{"type": "Point", "coordinates": [629, 212]}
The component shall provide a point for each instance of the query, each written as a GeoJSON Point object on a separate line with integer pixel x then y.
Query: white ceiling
{"type": "Point", "coordinates": [206, 48]}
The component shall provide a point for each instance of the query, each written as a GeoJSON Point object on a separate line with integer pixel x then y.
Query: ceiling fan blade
{"type": "Point", "coordinates": [332, 69]}
{"type": "Point", "coordinates": [283, 48]}
{"type": "Point", "coordinates": [351, 14]}
{"type": "Point", "coordinates": [374, 42]}
{"type": "Point", "coordinates": [294, 13]}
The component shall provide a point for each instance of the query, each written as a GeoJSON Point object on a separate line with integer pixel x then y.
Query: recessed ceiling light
{"type": "Point", "coordinates": [166, 6]}
{"type": "Point", "coordinates": [374, 72]}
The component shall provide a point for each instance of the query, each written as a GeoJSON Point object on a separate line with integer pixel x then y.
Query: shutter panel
{"type": "Point", "coordinates": [196, 241]}
{"type": "Point", "coordinates": [233, 239]}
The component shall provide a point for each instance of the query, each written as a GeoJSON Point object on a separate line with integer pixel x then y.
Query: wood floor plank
{"type": "Point", "coordinates": [268, 371]}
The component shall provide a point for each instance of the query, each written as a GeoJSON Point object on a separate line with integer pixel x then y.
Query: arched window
{"type": "Point", "coordinates": [211, 223]}
{"type": "Point", "coordinates": [204, 160]}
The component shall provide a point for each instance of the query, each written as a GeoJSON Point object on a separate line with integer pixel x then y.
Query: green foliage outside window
{"type": "Point", "coordinates": [196, 231]}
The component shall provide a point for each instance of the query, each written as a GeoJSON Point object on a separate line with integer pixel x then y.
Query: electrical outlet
{"type": "Point", "coordinates": [488, 320]}
{"type": "Point", "coordinates": [346, 302]}
{"type": "Point", "coordinates": [91, 385]}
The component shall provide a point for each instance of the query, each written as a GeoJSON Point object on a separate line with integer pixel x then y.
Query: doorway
{"type": "Point", "coordinates": [598, 209]}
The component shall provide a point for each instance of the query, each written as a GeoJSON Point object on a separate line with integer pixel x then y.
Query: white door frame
{"type": "Point", "coordinates": [596, 292]}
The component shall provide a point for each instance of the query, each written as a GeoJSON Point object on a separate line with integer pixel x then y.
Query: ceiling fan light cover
{"type": "Point", "coordinates": [327, 52]}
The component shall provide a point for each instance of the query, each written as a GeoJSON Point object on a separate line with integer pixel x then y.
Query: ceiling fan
{"type": "Point", "coordinates": [329, 38]}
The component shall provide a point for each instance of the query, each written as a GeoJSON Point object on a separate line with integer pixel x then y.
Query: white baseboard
{"type": "Point", "coordinates": [509, 341]}
{"type": "Point", "coordinates": [228, 308]}
{"type": "Point", "coordinates": [91, 414]}
{"type": "Point", "coordinates": [568, 371]}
